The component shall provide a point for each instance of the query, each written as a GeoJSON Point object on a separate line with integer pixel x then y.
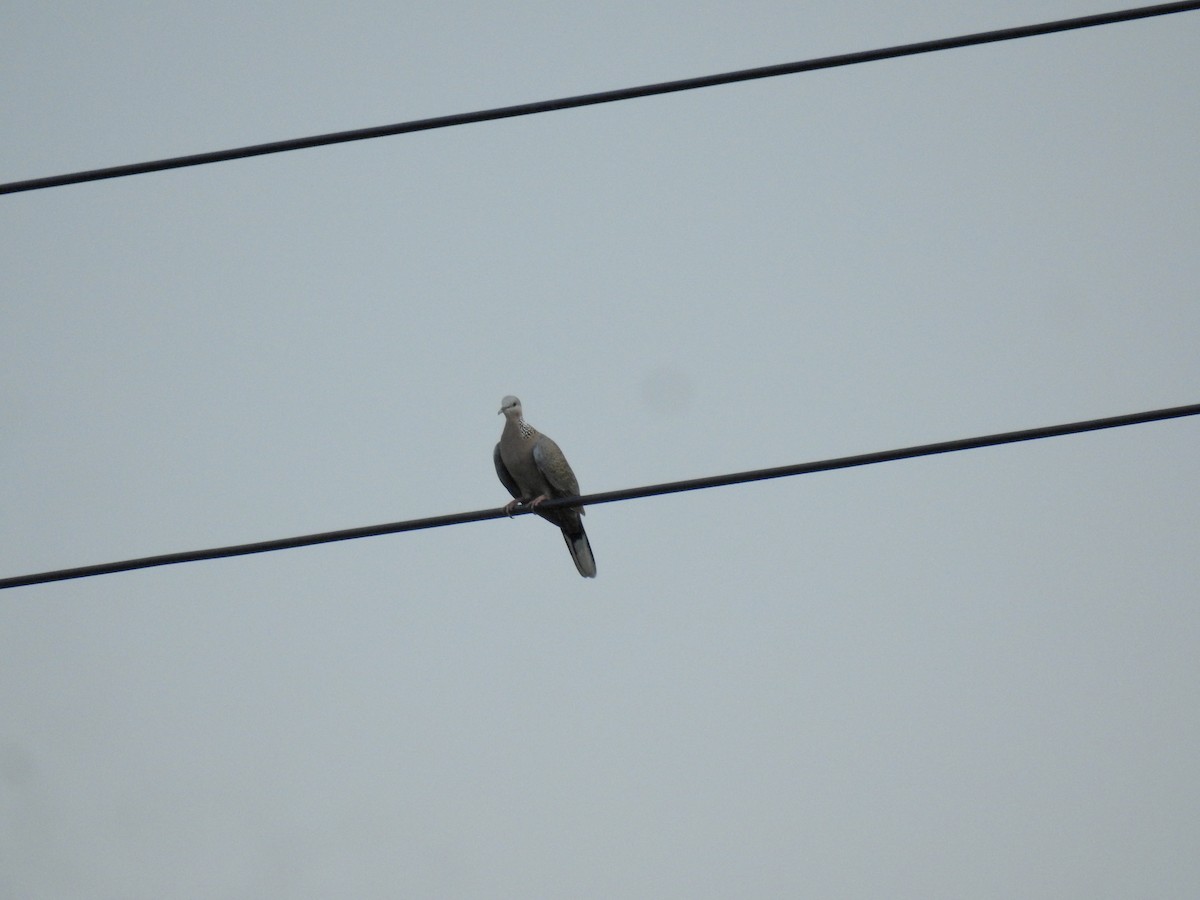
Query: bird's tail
{"type": "Point", "coordinates": [581, 551]}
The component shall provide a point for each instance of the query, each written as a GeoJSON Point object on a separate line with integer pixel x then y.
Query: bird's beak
{"type": "Point", "coordinates": [500, 411]}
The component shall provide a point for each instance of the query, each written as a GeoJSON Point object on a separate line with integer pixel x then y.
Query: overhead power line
{"type": "Point", "coordinates": [667, 87]}
{"type": "Point", "coordinates": [671, 487]}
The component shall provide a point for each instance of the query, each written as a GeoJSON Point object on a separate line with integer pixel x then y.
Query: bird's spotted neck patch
{"type": "Point", "coordinates": [525, 428]}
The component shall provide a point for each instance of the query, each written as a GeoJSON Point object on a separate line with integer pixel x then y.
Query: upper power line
{"type": "Point", "coordinates": [527, 109]}
{"type": "Point", "coordinates": [695, 484]}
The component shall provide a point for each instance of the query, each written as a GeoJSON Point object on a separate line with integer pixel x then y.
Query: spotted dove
{"type": "Point", "coordinates": [533, 469]}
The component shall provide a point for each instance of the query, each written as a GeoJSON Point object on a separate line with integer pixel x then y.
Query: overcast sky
{"type": "Point", "coordinates": [971, 675]}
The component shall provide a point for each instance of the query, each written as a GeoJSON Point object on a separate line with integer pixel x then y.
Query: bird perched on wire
{"type": "Point", "coordinates": [534, 470]}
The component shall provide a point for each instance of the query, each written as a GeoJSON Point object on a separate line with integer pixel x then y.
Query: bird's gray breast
{"type": "Point", "coordinates": [518, 459]}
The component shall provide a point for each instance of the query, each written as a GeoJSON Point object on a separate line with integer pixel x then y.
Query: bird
{"type": "Point", "coordinates": [534, 470]}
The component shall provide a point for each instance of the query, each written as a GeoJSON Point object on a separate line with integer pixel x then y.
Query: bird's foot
{"type": "Point", "coordinates": [510, 506]}
{"type": "Point", "coordinates": [537, 501]}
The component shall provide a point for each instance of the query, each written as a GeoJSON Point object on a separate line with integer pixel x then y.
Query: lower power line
{"type": "Point", "coordinates": [671, 487]}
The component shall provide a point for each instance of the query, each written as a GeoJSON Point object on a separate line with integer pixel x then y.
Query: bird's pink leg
{"type": "Point", "coordinates": [537, 501]}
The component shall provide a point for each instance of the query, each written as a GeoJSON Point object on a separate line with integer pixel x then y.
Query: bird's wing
{"type": "Point", "coordinates": [554, 467]}
{"type": "Point", "coordinates": [506, 478]}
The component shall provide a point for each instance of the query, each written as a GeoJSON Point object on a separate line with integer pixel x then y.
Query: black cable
{"type": "Point", "coordinates": [671, 487]}
{"type": "Point", "coordinates": [526, 109]}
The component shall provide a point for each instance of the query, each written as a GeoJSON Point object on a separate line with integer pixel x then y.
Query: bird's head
{"type": "Point", "coordinates": [510, 406]}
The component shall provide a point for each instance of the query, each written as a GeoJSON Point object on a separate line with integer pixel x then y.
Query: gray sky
{"type": "Point", "coordinates": [965, 676]}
